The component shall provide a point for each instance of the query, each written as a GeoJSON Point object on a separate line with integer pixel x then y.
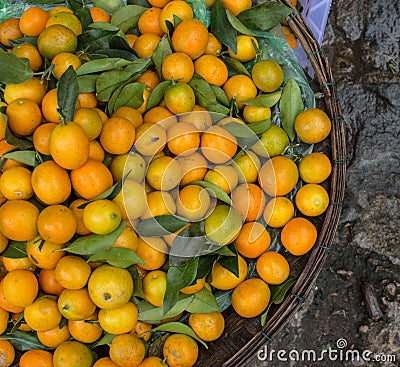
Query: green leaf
{"type": "Point", "coordinates": [25, 39]}
{"type": "Point", "coordinates": [200, 10]}
{"type": "Point", "coordinates": [278, 293]}
{"type": "Point", "coordinates": [117, 256]}
{"type": "Point", "coordinates": [138, 66]}
{"type": "Point", "coordinates": [220, 95]}
{"type": "Point", "coordinates": [238, 25]}
{"type": "Point", "coordinates": [181, 328]}
{"type": "Point", "coordinates": [137, 282]}
{"type": "Point", "coordinates": [106, 339]}
{"type": "Point", "coordinates": [221, 27]}
{"type": "Point", "coordinates": [28, 157]}
{"type": "Point", "coordinates": [67, 94]}
{"type": "Point", "coordinates": [236, 66]}
{"type": "Point", "coordinates": [89, 245]}
{"type": "Point", "coordinates": [23, 340]}
{"type": "Point", "coordinates": [160, 225]}
{"type": "Point", "coordinates": [105, 27]}
{"type": "Point", "coordinates": [87, 83]}
{"type": "Point", "coordinates": [157, 94]}
{"type": "Point", "coordinates": [15, 250]}
{"type": "Point", "coordinates": [162, 50]}
{"type": "Point", "coordinates": [230, 262]}
{"type": "Point", "coordinates": [213, 190]}
{"type": "Point", "coordinates": [110, 6]}
{"type": "Point", "coordinates": [96, 66]}
{"type": "Point", "coordinates": [13, 70]}
{"type": "Point", "coordinates": [203, 92]}
{"type": "Point", "coordinates": [126, 18]}
{"type": "Point", "coordinates": [204, 301]}
{"type": "Point", "coordinates": [184, 248]}
{"type": "Point", "coordinates": [21, 143]}
{"type": "Point", "coordinates": [264, 16]}
{"type": "Point", "coordinates": [218, 108]}
{"type": "Point", "coordinates": [83, 14]}
{"type": "Point", "coordinates": [238, 130]}
{"type": "Point", "coordinates": [224, 251]}
{"type": "Point", "coordinates": [264, 100]}
{"type": "Point", "coordinates": [178, 277]}
{"type": "Point", "coordinates": [260, 127]}
{"type": "Point", "coordinates": [94, 39]}
{"type": "Point", "coordinates": [131, 95]}
{"type": "Point", "coordinates": [290, 105]}
{"type": "Point", "coordinates": [108, 82]}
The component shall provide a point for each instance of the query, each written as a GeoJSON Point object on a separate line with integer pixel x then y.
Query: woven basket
{"type": "Point", "coordinates": [244, 337]}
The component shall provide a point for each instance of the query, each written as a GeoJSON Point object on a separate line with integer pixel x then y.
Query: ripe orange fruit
{"type": "Point", "coordinates": [20, 287]}
{"type": "Point", "coordinates": [57, 224]}
{"type": "Point", "coordinates": [105, 362]}
{"type": "Point", "coordinates": [50, 106]}
{"type": "Point", "coordinates": [253, 240]}
{"type": "Point", "coordinates": [63, 61]}
{"type": "Point", "coordinates": [298, 236]}
{"type": "Point", "coordinates": [272, 267]}
{"type": "Point", "coordinates": [190, 37]}
{"type": "Point", "coordinates": [72, 272]}
{"type": "Point", "coordinates": [251, 298]}
{"type": "Point", "coordinates": [18, 263]}
{"type": "Point", "coordinates": [78, 213]}
{"type": "Point", "coordinates": [312, 200]}
{"type": "Point", "coordinates": [159, 203]}
{"type": "Point", "coordinates": [315, 168]}
{"type": "Point", "coordinates": [237, 6]}
{"type": "Point", "coordinates": [44, 254]}
{"type": "Point", "coordinates": [127, 350]}
{"type": "Point", "coordinates": [117, 135]}
{"type": "Point", "coordinates": [150, 78]}
{"type": "Point", "coordinates": [48, 282]}
{"type": "Point", "coordinates": [153, 251]}
{"type": "Point", "coordinates": [183, 138]}
{"type": "Point", "coordinates": [86, 330]}
{"type": "Point", "coordinates": [72, 353]}
{"type": "Point", "coordinates": [246, 48]}
{"type": "Point", "coordinates": [41, 137]}
{"type": "Point", "coordinates": [51, 183]}
{"type": "Point", "coordinates": [163, 173]}
{"type": "Point", "coordinates": [129, 113]}
{"type": "Point", "coordinates": [145, 44]}
{"type": "Point", "coordinates": [152, 361]}
{"type": "Point", "coordinates": [30, 52]}
{"type": "Point", "coordinates": [75, 304]}
{"type": "Point", "coordinates": [249, 200]}
{"type": "Point", "coordinates": [32, 89]}
{"type": "Point", "coordinates": [149, 22]}
{"type": "Point", "coordinates": [7, 351]}
{"type": "Point", "coordinates": [180, 9]}
{"type": "Point", "coordinates": [278, 211]}
{"type": "Point", "coordinates": [91, 179]}
{"type": "Point", "coordinates": [178, 66]}
{"type": "Point", "coordinates": [247, 165]}
{"type": "Point", "coordinates": [278, 176]}
{"type": "Point", "coordinates": [102, 216]}
{"type": "Point", "coordinates": [222, 278]}
{"type": "Point", "coordinates": [24, 116]}
{"type": "Point", "coordinates": [54, 337]}
{"type": "Point", "coordinates": [60, 8]}
{"type": "Point", "coordinates": [240, 87]}
{"type": "Point", "coordinates": [96, 151]}
{"type": "Point", "coordinates": [159, 3]}
{"type": "Point", "coordinates": [224, 177]}
{"type": "Point", "coordinates": [180, 350]}
{"type": "Point", "coordinates": [150, 139]}
{"type": "Point", "coordinates": [87, 99]}
{"type": "Point", "coordinates": [191, 289]}
{"type": "Point", "coordinates": [193, 167]}
{"type": "Point", "coordinates": [69, 145]}
{"type": "Point", "coordinates": [218, 145]}
{"type": "Point", "coordinates": [42, 314]}
{"type": "Point", "coordinates": [9, 30]}
{"type": "Point", "coordinates": [212, 69]}
{"type": "Point", "coordinates": [110, 287]}
{"type": "Point", "coordinates": [15, 183]}
{"type": "Point", "coordinates": [267, 75]}
{"type": "Point", "coordinates": [207, 326]}
{"type": "Point", "coordinates": [193, 202]}
{"type": "Point", "coordinates": [33, 20]}
{"type": "Point", "coordinates": [5, 305]}
{"type": "Point", "coordinates": [36, 358]}
{"type": "Point", "coordinates": [214, 46]}
{"type": "Point", "coordinates": [99, 15]}
{"type": "Point", "coordinates": [18, 220]}
{"type": "Point", "coordinates": [179, 98]}
{"type": "Point", "coordinates": [154, 287]}
{"type": "Point", "coordinates": [312, 125]}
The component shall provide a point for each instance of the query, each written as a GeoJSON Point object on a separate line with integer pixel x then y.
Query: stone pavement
{"type": "Point", "coordinates": [362, 40]}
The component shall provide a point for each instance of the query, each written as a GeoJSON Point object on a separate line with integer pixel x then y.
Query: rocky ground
{"type": "Point", "coordinates": [362, 40]}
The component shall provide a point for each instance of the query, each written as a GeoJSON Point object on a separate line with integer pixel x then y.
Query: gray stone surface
{"type": "Point", "coordinates": [363, 41]}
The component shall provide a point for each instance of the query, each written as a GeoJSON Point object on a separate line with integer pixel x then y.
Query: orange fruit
{"type": "Point", "coordinates": [110, 287]}
{"type": "Point", "coordinates": [24, 116]}
{"type": "Point", "coordinates": [60, 8]}
{"type": "Point", "coordinates": [32, 89]}
{"type": "Point", "coordinates": [178, 8]}
{"type": "Point", "coordinates": [7, 351]}
{"type": "Point", "coordinates": [5, 305]}
{"type": "Point", "coordinates": [57, 224]}
{"type": "Point", "coordinates": [129, 113]}
{"type": "Point", "coordinates": [163, 173]}
{"type": "Point", "coordinates": [212, 69]}
{"type": "Point", "coordinates": [278, 176]}
{"type": "Point", "coordinates": [69, 145]}
{"type": "Point", "coordinates": [253, 240]}
{"type": "Point", "coordinates": [117, 135]}
{"type": "Point", "coordinates": [30, 52]}
{"type": "Point", "coordinates": [87, 99]}
{"type": "Point", "coordinates": [86, 330]}
{"type": "Point", "coordinates": [154, 286]}
{"type": "Point", "coordinates": [312, 200]}
{"type": "Point", "coordinates": [142, 330]}
{"type": "Point", "coordinates": [158, 3]}
{"type": "Point", "coordinates": [63, 61]}
{"type": "Point", "coordinates": [36, 358]}
{"type": "Point", "coordinates": [67, 19]}
{"type": "Point", "coordinates": [191, 289]}
{"type": "Point", "coordinates": [150, 78]}
{"type": "Point", "coordinates": [18, 263]}
{"type": "Point", "coordinates": [48, 282]}
{"type": "Point", "coordinates": [91, 179]}
{"type": "Point", "coordinates": [96, 151]}
{"type": "Point", "coordinates": [44, 254]}
{"type": "Point", "coordinates": [105, 362]}
{"type": "Point", "coordinates": [72, 353]}
{"type": "Point", "coordinates": [224, 177]}
{"type": "Point", "coordinates": [9, 30]}
{"type": "Point", "coordinates": [237, 6]}
{"type": "Point", "coordinates": [245, 48]}
{"type": "Point", "coordinates": [179, 98]}
{"type": "Point", "coordinates": [55, 39]}
{"type": "Point", "coordinates": [223, 279]}
{"type": "Point", "coordinates": [218, 145]}
{"type": "Point", "coordinates": [247, 165]}
{"type": "Point", "coordinates": [180, 350]}
{"type": "Point", "coordinates": [298, 236]}
{"type": "Point", "coordinates": [251, 298]}
{"type": "Point", "coordinates": [159, 203]}
{"type": "Point", "coordinates": [51, 183]}
{"type": "Point", "coordinates": [131, 164]}
{"type": "Point", "coordinates": [249, 200]}
{"type": "Point", "coordinates": [42, 314]}
{"type": "Point", "coordinates": [241, 88]}
{"type": "Point", "coordinates": [214, 46]}
{"type": "Point", "coordinates": [152, 361]}
{"type": "Point", "coordinates": [145, 44]}
{"type": "Point", "coordinates": [183, 138]}
{"type": "Point", "coordinates": [267, 75]}
{"type": "Point", "coordinates": [278, 211]}
{"type": "Point", "coordinates": [272, 267]}
{"type": "Point", "coordinates": [102, 216]}
{"type": "Point", "coordinates": [131, 39]}
{"type": "Point", "coordinates": [99, 15]}
{"type": "Point", "coordinates": [312, 125]}
{"type": "Point", "coordinates": [207, 326]}
{"type": "Point", "coordinates": [153, 251]}
{"type": "Point", "coordinates": [190, 37]}
{"type": "Point", "coordinates": [315, 168]}
{"type": "Point", "coordinates": [75, 304]}
{"type": "Point", "coordinates": [54, 337]}
{"type": "Point", "coordinates": [193, 202]}
{"type": "Point", "coordinates": [78, 213]}
{"type": "Point", "coordinates": [131, 200]}
{"type": "Point", "coordinates": [199, 117]}
{"type": "Point", "coordinates": [18, 220]}
{"type": "Point", "coordinates": [150, 139]}
{"type": "Point", "coordinates": [178, 66]}
{"type": "Point", "coordinates": [72, 272]}
{"type": "Point", "coordinates": [41, 137]}
{"type": "Point", "coordinates": [33, 20]}
{"type": "Point", "coordinates": [149, 22]}
{"type": "Point", "coordinates": [15, 183]}
{"type": "Point", "coordinates": [50, 106]}
{"type": "Point", "coordinates": [193, 167]}
{"type": "Point", "coordinates": [4, 316]}
{"type": "Point", "coordinates": [127, 350]}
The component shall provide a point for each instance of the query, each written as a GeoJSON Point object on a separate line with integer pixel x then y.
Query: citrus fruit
{"type": "Point", "coordinates": [154, 286]}
{"type": "Point", "coordinates": [267, 75]}
{"type": "Point", "coordinates": [72, 354]}
{"type": "Point", "coordinates": [42, 314]}
{"type": "Point", "coordinates": [222, 278]}
{"type": "Point", "coordinates": [56, 39]}
{"type": "Point", "coordinates": [278, 211]}
{"type": "Point", "coordinates": [246, 48]}
{"type": "Point", "coordinates": [315, 168]}
{"type": "Point", "coordinates": [75, 304]}
{"type": "Point", "coordinates": [272, 267]}
{"type": "Point", "coordinates": [253, 240]}
{"type": "Point", "coordinates": [312, 125]}
{"type": "Point", "coordinates": [101, 216]}
{"type": "Point", "coordinates": [298, 236]}
{"type": "Point", "coordinates": [180, 350]}
{"type": "Point", "coordinates": [179, 98]}
{"type": "Point", "coordinates": [312, 200]}
{"type": "Point", "coordinates": [272, 142]}
{"type": "Point", "coordinates": [207, 326]}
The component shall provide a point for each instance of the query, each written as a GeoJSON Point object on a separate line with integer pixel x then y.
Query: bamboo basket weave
{"type": "Point", "coordinates": [244, 337]}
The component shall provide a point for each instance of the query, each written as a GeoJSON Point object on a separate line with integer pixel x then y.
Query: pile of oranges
{"type": "Point", "coordinates": [122, 220]}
